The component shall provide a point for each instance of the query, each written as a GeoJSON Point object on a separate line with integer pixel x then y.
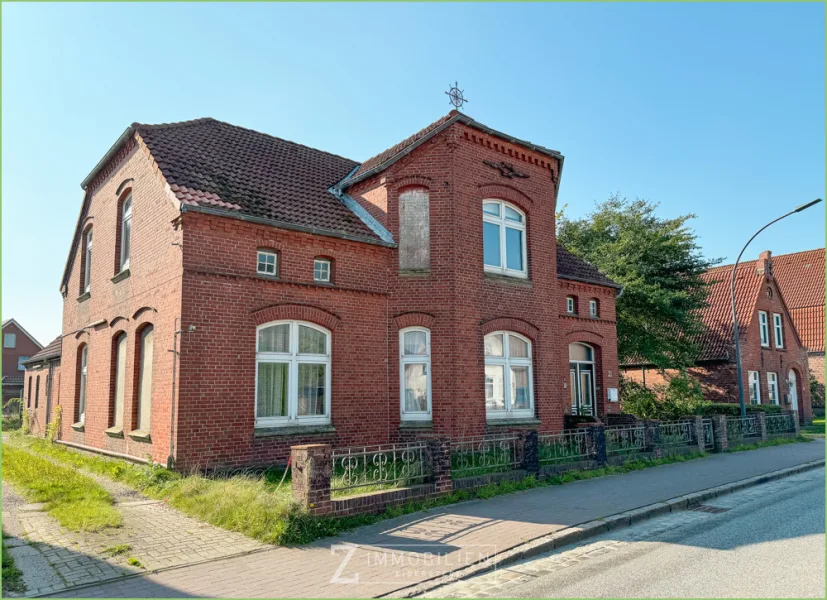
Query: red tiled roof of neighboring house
{"type": "Point", "coordinates": [52, 350]}
{"type": "Point", "coordinates": [212, 164]}
{"type": "Point", "coordinates": [800, 277]}
{"type": "Point", "coordinates": [570, 266]}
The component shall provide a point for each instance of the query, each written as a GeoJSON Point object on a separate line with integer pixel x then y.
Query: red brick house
{"type": "Point", "coordinates": [773, 357]}
{"type": "Point", "coordinates": [18, 346]}
{"type": "Point", "coordinates": [42, 385]}
{"type": "Point", "coordinates": [229, 294]}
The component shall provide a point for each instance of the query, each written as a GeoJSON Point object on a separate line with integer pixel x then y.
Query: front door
{"type": "Point", "coordinates": [582, 389]}
{"type": "Point", "coordinates": [791, 382]}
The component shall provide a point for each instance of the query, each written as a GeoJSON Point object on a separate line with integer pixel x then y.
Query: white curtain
{"type": "Point", "coordinates": [272, 390]}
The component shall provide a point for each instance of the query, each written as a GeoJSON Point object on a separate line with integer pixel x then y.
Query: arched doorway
{"type": "Point", "coordinates": [792, 384]}
{"type": "Point", "coordinates": [581, 379]}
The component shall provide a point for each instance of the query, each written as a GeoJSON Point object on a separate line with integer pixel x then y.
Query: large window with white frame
{"type": "Point", "coordinates": [126, 232]}
{"type": "Point", "coordinates": [415, 373]}
{"type": "Point", "coordinates": [504, 238]}
{"type": "Point", "coordinates": [509, 386]}
{"type": "Point", "coordinates": [292, 374]}
{"type": "Point", "coordinates": [764, 328]}
{"type": "Point", "coordinates": [772, 387]}
{"type": "Point", "coordinates": [778, 330]}
{"type": "Point", "coordinates": [754, 388]}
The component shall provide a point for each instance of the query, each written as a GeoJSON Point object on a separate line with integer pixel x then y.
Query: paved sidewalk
{"type": "Point", "coordinates": [394, 554]}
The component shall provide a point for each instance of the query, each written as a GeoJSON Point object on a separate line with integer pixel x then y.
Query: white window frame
{"type": "Point", "coordinates": [772, 387]}
{"type": "Point", "coordinates": [9, 340]}
{"type": "Point", "coordinates": [503, 225]}
{"type": "Point", "coordinates": [267, 254]}
{"type": "Point", "coordinates": [764, 328]}
{"type": "Point", "coordinates": [84, 369]}
{"type": "Point", "coordinates": [414, 360]}
{"type": "Point", "coordinates": [507, 362]}
{"type": "Point", "coordinates": [293, 359]}
{"type": "Point", "coordinates": [754, 379]}
{"type": "Point", "coordinates": [593, 309]}
{"type": "Point", "coordinates": [571, 305]}
{"type": "Point", "coordinates": [87, 262]}
{"type": "Point", "coordinates": [778, 330]}
{"type": "Point", "coordinates": [320, 262]}
{"type": "Point", "coordinates": [126, 233]}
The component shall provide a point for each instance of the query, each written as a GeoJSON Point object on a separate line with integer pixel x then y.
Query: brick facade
{"type": "Point", "coordinates": [24, 347]}
{"type": "Point", "coordinates": [197, 272]}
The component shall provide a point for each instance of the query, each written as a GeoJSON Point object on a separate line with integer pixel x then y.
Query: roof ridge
{"type": "Point", "coordinates": [203, 120]}
{"type": "Point", "coordinates": [774, 257]}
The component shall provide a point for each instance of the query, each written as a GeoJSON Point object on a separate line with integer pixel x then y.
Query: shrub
{"type": "Point", "coordinates": [734, 410]}
{"type": "Point", "coordinates": [53, 428]}
{"type": "Point", "coordinates": [816, 392]}
{"type": "Point", "coordinates": [680, 397]}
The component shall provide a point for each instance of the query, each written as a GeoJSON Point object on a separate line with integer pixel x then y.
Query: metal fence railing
{"type": "Point", "coordinates": [365, 467]}
{"type": "Point", "coordinates": [743, 427]}
{"type": "Point", "coordinates": [625, 439]}
{"type": "Point", "coordinates": [709, 436]}
{"type": "Point", "coordinates": [486, 454]}
{"type": "Point", "coordinates": [568, 446]}
{"type": "Point", "coordinates": [778, 424]}
{"type": "Point", "coordinates": [674, 434]}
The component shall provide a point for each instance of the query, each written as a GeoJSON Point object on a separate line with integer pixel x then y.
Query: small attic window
{"type": "Point", "coordinates": [267, 263]}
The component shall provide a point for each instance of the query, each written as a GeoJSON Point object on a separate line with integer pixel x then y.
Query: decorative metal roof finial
{"type": "Point", "coordinates": [455, 96]}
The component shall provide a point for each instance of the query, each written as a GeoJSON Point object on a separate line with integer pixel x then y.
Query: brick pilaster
{"type": "Point", "coordinates": [762, 426]}
{"type": "Point", "coordinates": [312, 469]}
{"type": "Point", "coordinates": [439, 454]}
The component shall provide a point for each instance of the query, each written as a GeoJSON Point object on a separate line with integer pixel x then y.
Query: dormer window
{"type": "Point", "coordinates": [267, 263]}
{"type": "Point", "coordinates": [571, 305]}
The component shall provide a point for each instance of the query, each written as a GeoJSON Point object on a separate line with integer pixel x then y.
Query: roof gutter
{"type": "Point", "coordinates": [109, 154]}
{"type": "Point", "coordinates": [592, 282]}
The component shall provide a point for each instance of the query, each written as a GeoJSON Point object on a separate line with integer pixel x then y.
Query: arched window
{"type": "Point", "coordinates": [37, 391]}
{"type": "Point", "coordinates": [292, 374]}
{"type": "Point", "coordinates": [509, 388]}
{"type": "Point", "coordinates": [145, 353]}
{"type": "Point", "coordinates": [504, 238]}
{"type": "Point", "coordinates": [83, 364]}
{"type": "Point", "coordinates": [415, 373]}
{"type": "Point", "coordinates": [126, 232]}
{"type": "Point", "coordinates": [118, 381]}
{"type": "Point", "coordinates": [87, 261]}
{"type": "Point", "coordinates": [581, 379]}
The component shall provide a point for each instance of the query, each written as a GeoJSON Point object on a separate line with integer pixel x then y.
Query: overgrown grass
{"type": "Point", "coordinates": [12, 576]}
{"type": "Point", "coordinates": [816, 429]}
{"type": "Point", "coordinates": [776, 442]}
{"type": "Point", "coordinates": [11, 423]}
{"type": "Point", "coordinates": [76, 501]}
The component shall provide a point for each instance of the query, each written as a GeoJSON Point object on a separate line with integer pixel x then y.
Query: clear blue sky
{"type": "Point", "coordinates": [716, 109]}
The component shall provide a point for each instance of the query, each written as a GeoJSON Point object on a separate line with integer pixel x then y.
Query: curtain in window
{"type": "Point", "coordinates": [274, 339]}
{"type": "Point", "coordinates": [312, 341]}
{"type": "Point", "coordinates": [312, 389]}
{"type": "Point", "coordinates": [416, 343]}
{"type": "Point", "coordinates": [272, 390]}
{"type": "Point", "coordinates": [416, 388]}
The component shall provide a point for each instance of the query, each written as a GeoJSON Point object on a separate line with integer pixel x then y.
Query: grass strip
{"type": "Point", "coordinates": [769, 443]}
{"type": "Point", "coordinates": [815, 429]}
{"type": "Point", "coordinates": [76, 501]}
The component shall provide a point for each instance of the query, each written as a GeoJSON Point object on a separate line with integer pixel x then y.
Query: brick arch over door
{"type": "Point", "coordinates": [296, 312]}
{"type": "Point", "coordinates": [511, 324]}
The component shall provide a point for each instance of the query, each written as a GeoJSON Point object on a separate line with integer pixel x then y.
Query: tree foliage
{"type": "Point", "coordinates": [658, 263]}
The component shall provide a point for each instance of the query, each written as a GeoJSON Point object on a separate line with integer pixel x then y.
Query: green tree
{"type": "Point", "coordinates": [658, 263]}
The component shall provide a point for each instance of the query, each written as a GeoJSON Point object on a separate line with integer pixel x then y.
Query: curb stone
{"type": "Point", "coordinates": [577, 533]}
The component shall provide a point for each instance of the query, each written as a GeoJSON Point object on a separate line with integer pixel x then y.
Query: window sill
{"type": "Point", "coordinates": [78, 426]}
{"type": "Point", "coordinates": [84, 297]}
{"type": "Point", "coordinates": [415, 272]}
{"type": "Point", "coordinates": [511, 421]}
{"type": "Point", "coordinates": [416, 424]}
{"type": "Point", "coordinates": [115, 432]}
{"type": "Point", "coordinates": [509, 279]}
{"type": "Point", "coordinates": [262, 432]}
{"type": "Point", "coordinates": [267, 277]}
{"type": "Point", "coordinates": [121, 276]}
{"type": "Point", "coordinates": [140, 435]}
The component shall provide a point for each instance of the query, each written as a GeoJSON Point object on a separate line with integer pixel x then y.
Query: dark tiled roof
{"type": "Point", "coordinates": [53, 350]}
{"type": "Point", "coordinates": [12, 380]}
{"type": "Point", "coordinates": [212, 164]}
{"type": "Point", "coordinates": [573, 267]}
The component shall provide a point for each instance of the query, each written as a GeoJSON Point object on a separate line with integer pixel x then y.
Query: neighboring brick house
{"type": "Point", "coordinates": [312, 298]}
{"type": "Point", "coordinates": [773, 358]}
{"type": "Point", "coordinates": [18, 345]}
{"type": "Point", "coordinates": [42, 385]}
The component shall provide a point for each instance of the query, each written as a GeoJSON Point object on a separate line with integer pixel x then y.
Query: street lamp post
{"type": "Point", "coordinates": [734, 310]}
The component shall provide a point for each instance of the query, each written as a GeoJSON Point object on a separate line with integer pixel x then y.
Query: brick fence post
{"type": "Point", "coordinates": [312, 469]}
{"type": "Point", "coordinates": [531, 452]}
{"type": "Point", "coordinates": [698, 424]}
{"type": "Point", "coordinates": [439, 453]}
{"type": "Point", "coordinates": [598, 435]}
{"type": "Point", "coordinates": [762, 426]}
{"type": "Point", "coordinates": [719, 433]}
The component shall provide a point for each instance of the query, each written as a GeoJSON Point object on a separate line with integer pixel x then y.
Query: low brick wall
{"type": "Point", "coordinates": [376, 502]}
{"type": "Point", "coordinates": [468, 483]}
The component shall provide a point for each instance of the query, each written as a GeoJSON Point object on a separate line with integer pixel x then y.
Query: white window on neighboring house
{"type": "Point", "coordinates": [20, 361]}
{"type": "Point", "coordinates": [267, 263]}
{"type": "Point", "coordinates": [321, 270]}
{"type": "Point", "coordinates": [772, 387]}
{"type": "Point", "coordinates": [754, 388]}
{"type": "Point", "coordinates": [9, 340]}
{"type": "Point", "coordinates": [764, 328]}
{"type": "Point", "coordinates": [593, 309]}
{"type": "Point", "coordinates": [415, 373]}
{"type": "Point", "coordinates": [504, 238]}
{"type": "Point", "coordinates": [571, 305]}
{"type": "Point", "coordinates": [778, 330]}
{"type": "Point", "coordinates": [87, 262]}
{"type": "Point", "coordinates": [292, 374]}
{"type": "Point", "coordinates": [126, 232]}
{"type": "Point", "coordinates": [509, 387]}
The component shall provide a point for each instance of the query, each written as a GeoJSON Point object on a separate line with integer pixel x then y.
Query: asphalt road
{"type": "Point", "coordinates": [766, 541]}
